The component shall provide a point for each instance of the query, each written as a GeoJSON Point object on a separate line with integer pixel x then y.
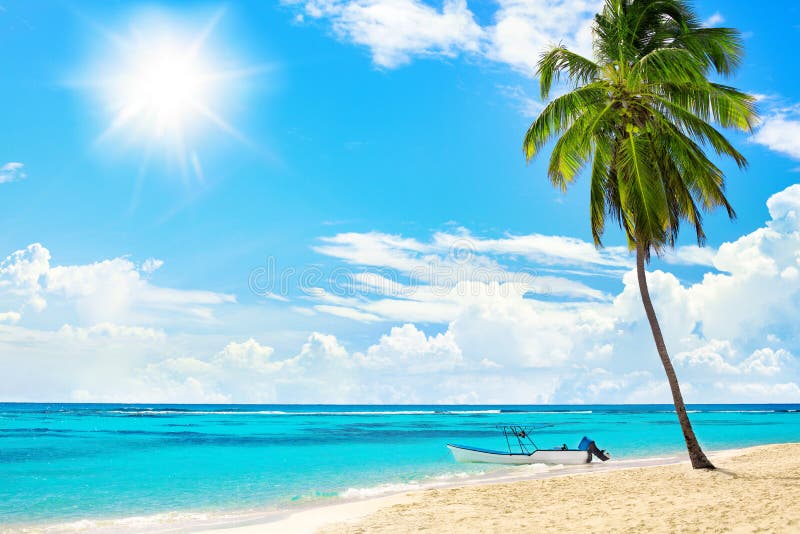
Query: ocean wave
{"type": "Point", "coordinates": [778, 410]}
{"type": "Point", "coordinates": [154, 412]}
{"type": "Point", "coordinates": [553, 412]}
{"type": "Point", "coordinates": [158, 522]}
{"type": "Point", "coordinates": [738, 411]}
{"type": "Point", "coordinates": [158, 411]}
{"type": "Point", "coordinates": [381, 489]}
{"type": "Point", "coordinates": [428, 482]}
{"type": "Point", "coordinates": [456, 412]}
{"type": "Point", "coordinates": [147, 412]}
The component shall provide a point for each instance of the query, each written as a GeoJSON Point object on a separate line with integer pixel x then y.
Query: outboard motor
{"type": "Point", "coordinates": [590, 446]}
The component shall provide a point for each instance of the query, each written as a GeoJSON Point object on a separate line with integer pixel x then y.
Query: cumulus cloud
{"type": "Point", "coordinates": [9, 317]}
{"type": "Point", "coordinates": [726, 327]}
{"type": "Point", "coordinates": [112, 290]}
{"type": "Point", "coordinates": [395, 31]}
{"type": "Point", "coordinates": [150, 265]}
{"type": "Point", "coordinates": [75, 362]}
{"type": "Point", "coordinates": [780, 131]}
{"type": "Point", "coordinates": [784, 208]}
{"type": "Point", "coordinates": [12, 171]}
{"type": "Point", "coordinates": [733, 333]}
{"type": "Point", "coordinates": [406, 348]}
{"type": "Point", "coordinates": [691, 255]}
{"type": "Point", "coordinates": [523, 29]}
{"type": "Point", "coordinates": [250, 370]}
{"type": "Point", "coordinates": [21, 271]}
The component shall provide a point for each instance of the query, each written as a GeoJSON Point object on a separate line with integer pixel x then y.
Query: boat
{"type": "Point", "coordinates": [527, 452]}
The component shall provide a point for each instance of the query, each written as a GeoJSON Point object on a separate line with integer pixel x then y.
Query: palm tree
{"type": "Point", "coordinates": [639, 115]}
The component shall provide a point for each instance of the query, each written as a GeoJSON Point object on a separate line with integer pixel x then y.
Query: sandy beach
{"type": "Point", "coordinates": [753, 490]}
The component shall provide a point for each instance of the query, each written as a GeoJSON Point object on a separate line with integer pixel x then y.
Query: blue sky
{"type": "Point", "coordinates": [360, 144]}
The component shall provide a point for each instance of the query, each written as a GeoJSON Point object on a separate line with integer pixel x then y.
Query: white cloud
{"type": "Point", "coordinates": [448, 251]}
{"type": "Point", "coordinates": [780, 131]}
{"type": "Point", "coordinates": [150, 265]}
{"type": "Point", "coordinates": [106, 291]}
{"type": "Point", "coordinates": [112, 331]}
{"type": "Point", "coordinates": [347, 313]}
{"type": "Point", "coordinates": [115, 290]}
{"type": "Point", "coordinates": [784, 208]}
{"type": "Point", "coordinates": [375, 248]}
{"type": "Point", "coordinates": [396, 30]}
{"type": "Point", "coordinates": [409, 350]}
{"type": "Point", "coordinates": [691, 255]}
{"type": "Point", "coordinates": [540, 248]}
{"type": "Point", "coordinates": [21, 272]}
{"type": "Point", "coordinates": [10, 317]}
{"type": "Point", "coordinates": [436, 280]}
{"type": "Point", "coordinates": [733, 334]}
{"type": "Point", "coordinates": [730, 324]}
{"type": "Point", "coordinates": [760, 392]}
{"type": "Point", "coordinates": [523, 29]}
{"type": "Point", "coordinates": [250, 371]}
{"type": "Point", "coordinates": [12, 171]}
{"type": "Point", "coordinates": [714, 20]}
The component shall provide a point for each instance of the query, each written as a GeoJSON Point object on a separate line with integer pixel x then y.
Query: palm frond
{"type": "Point", "coordinates": [642, 194]}
{"type": "Point", "coordinates": [719, 48]}
{"type": "Point", "coordinates": [558, 60]}
{"type": "Point", "coordinates": [673, 64]}
{"type": "Point", "coordinates": [559, 114]}
{"type": "Point", "coordinates": [697, 128]}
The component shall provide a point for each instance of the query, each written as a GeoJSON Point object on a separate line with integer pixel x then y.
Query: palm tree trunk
{"type": "Point", "coordinates": [696, 454]}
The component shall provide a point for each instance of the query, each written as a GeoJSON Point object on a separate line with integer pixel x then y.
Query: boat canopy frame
{"type": "Point", "coordinates": [523, 437]}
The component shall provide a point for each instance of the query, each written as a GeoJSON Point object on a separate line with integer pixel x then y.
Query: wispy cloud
{"type": "Point", "coordinates": [526, 105]}
{"type": "Point", "coordinates": [12, 171]}
{"type": "Point", "coordinates": [732, 333]}
{"type": "Point", "coordinates": [714, 20]}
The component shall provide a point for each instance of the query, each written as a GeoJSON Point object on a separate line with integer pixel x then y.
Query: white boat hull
{"type": "Point", "coordinates": [541, 456]}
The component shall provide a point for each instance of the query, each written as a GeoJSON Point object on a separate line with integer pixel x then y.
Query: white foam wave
{"type": "Point", "coordinates": [560, 412]}
{"type": "Point", "coordinates": [279, 412]}
{"type": "Point", "coordinates": [381, 489]}
{"type": "Point", "coordinates": [433, 481]}
{"type": "Point", "coordinates": [456, 412]}
{"type": "Point", "coordinates": [536, 468]}
{"type": "Point", "coordinates": [161, 522]}
{"type": "Point", "coordinates": [197, 412]}
{"type": "Point", "coordinates": [740, 411]}
{"type": "Point", "coordinates": [723, 411]}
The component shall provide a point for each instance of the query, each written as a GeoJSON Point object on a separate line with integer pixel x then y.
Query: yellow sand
{"type": "Point", "coordinates": [756, 490]}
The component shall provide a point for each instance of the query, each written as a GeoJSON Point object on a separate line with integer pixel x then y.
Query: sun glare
{"type": "Point", "coordinates": [163, 88]}
{"type": "Point", "coordinates": [166, 88]}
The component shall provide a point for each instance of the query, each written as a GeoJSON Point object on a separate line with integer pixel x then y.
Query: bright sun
{"type": "Point", "coordinates": [166, 88]}
{"type": "Point", "coordinates": [162, 88]}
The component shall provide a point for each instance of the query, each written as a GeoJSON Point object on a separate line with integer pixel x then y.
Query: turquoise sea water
{"type": "Point", "coordinates": [62, 463]}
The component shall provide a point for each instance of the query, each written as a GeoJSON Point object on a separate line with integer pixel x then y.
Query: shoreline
{"type": "Point", "coordinates": [343, 516]}
{"type": "Point", "coordinates": [313, 516]}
